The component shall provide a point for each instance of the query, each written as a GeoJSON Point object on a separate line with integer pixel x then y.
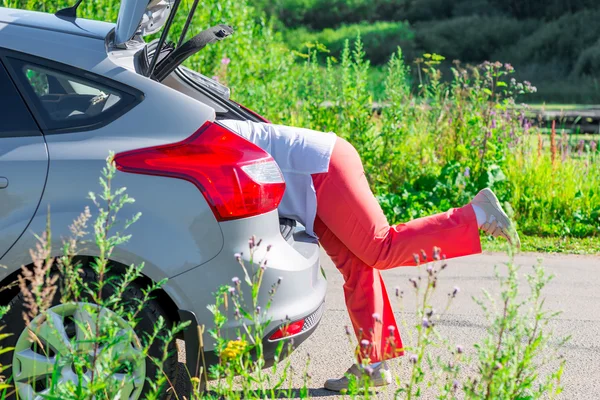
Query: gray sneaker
{"type": "Point", "coordinates": [497, 222]}
{"type": "Point", "coordinates": [380, 376]}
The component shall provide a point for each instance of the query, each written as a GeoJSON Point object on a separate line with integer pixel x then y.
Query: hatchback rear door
{"type": "Point", "coordinates": [23, 164]}
{"type": "Point", "coordinates": [140, 17]}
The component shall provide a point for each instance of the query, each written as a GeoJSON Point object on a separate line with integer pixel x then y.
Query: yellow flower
{"type": "Point", "coordinates": [233, 350]}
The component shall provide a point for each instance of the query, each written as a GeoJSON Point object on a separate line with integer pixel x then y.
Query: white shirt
{"type": "Point", "coordinates": [299, 153]}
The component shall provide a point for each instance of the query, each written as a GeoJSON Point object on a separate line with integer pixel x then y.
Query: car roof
{"type": "Point", "coordinates": [50, 22]}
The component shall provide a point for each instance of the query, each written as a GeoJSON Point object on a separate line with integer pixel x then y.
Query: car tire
{"type": "Point", "coordinates": [14, 324]}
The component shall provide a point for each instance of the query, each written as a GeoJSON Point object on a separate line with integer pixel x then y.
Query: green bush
{"type": "Point", "coordinates": [380, 39]}
{"type": "Point", "coordinates": [473, 38]}
{"type": "Point", "coordinates": [557, 42]}
{"type": "Point", "coordinates": [588, 63]}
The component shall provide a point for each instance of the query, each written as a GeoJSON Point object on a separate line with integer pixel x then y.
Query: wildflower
{"type": "Point", "coordinates": [450, 364]}
{"type": "Point", "coordinates": [508, 67]}
{"type": "Point", "coordinates": [233, 350]}
{"type": "Point", "coordinates": [467, 172]}
{"type": "Point", "coordinates": [493, 123]}
{"type": "Point", "coordinates": [498, 366]}
{"type": "Point", "coordinates": [238, 256]}
{"type": "Point", "coordinates": [376, 317]}
{"type": "Point", "coordinates": [459, 349]}
{"type": "Point", "coordinates": [231, 289]}
{"type": "Point", "coordinates": [436, 253]}
{"type": "Point", "coordinates": [423, 255]}
{"type": "Point", "coordinates": [263, 265]}
{"type": "Point", "coordinates": [279, 280]}
{"type": "Point", "coordinates": [215, 78]}
{"type": "Point", "coordinates": [455, 291]}
{"type": "Point", "coordinates": [225, 60]}
{"type": "Point", "coordinates": [364, 342]}
{"type": "Point", "coordinates": [235, 280]}
{"type": "Point", "coordinates": [425, 323]}
{"type": "Point", "coordinates": [416, 258]}
{"type": "Point", "coordinates": [369, 370]}
{"type": "Point", "coordinates": [347, 329]}
{"type": "Point", "coordinates": [455, 385]}
{"type": "Point", "coordinates": [430, 270]}
{"type": "Point", "coordinates": [252, 242]}
{"type": "Point", "coordinates": [397, 291]}
{"type": "Point", "coordinates": [593, 146]}
{"type": "Point", "coordinates": [413, 358]}
{"type": "Point", "coordinates": [391, 330]}
{"type": "Point", "coordinates": [430, 312]}
{"type": "Point", "coordinates": [414, 282]}
{"type": "Point", "coordinates": [258, 309]}
{"type": "Point", "coordinates": [269, 248]}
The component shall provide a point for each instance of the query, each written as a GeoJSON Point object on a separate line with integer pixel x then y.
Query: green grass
{"type": "Point", "coordinates": [563, 107]}
{"type": "Point", "coordinates": [538, 244]}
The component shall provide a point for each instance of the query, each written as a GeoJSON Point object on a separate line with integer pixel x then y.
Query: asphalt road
{"type": "Point", "coordinates": [575, 291]}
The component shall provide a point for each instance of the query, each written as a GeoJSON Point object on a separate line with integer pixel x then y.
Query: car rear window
{"type": "Point", "coordinates": [66, 101]}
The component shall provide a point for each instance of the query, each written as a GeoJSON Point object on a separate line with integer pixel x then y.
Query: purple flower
{"type": "Point", "coordinates": [258, 309]}
{"type": "Point", "coordinates": [376, 317]}
{"type": "Point", "coordinates": [391, 329]}
{"type": "Point", "coordinates": [425, 323]}
{"type": "Point", "coordinates": [238, 256]}
{"type": "Point", "coordinates": [459, 349]}
{"type": "Point", "coordinates": [235, 280]}
{"type": "Point", "coordinates": [455, 385]}
{"type": "Point", "coordinates": [231, 289]}
{"type": "Point", "coordinates": [414, 282]}
{"type": "Point", "coordinates": [430, 269]}
{"type": "Point", "coordinates": [413, 358]}
{"type": "Point", "coordinates": [455, 291]}
{"type": "Point", "coordinates": [467, 172]}
{"type": "Point", "coordinates": [493, 123]}
{"type": "Point", "coordinates": [593, 146]}
{"type": "Point", "coordinates": [347, 329]}
{"type": "Point", "coordinates": [215, 78]}
{"type": "Point", "coordinates": [225, 60]}
{"type": "Point", "coordinates": [508, 67]}
{"type": "Point", "coordinates": [364, 342]}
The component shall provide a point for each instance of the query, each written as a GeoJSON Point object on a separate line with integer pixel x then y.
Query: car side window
{"type": "Point", "coordinates": [15, 118]}
{"type": "Point", "coordinates": [63, 101]}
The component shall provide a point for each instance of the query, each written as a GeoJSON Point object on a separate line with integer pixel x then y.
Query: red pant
{"type": "Point", "coordinates": [356, 235]}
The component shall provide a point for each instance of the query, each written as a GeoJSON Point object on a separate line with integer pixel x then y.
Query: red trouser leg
{"type": "Point", "coordinates": [350, 220]}
{"type": "Point", "coordinates": [365, 294]}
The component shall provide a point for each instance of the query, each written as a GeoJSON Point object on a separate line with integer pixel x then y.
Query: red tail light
{"type": "Point", "coordinates": [237, 178]}
{"type": "Point", "coordinates": [288, 330]}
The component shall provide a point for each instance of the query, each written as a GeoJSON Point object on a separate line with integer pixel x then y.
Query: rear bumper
{"type": "Point", "coordinates": [300, 294]}
{"type": "Point", "coordinates": [195, 363]}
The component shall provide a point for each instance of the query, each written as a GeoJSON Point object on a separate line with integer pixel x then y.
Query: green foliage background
{"type": "Point", "coordinates": [555, 43]}
{"type": "Point", "coordinates": [447, 130]}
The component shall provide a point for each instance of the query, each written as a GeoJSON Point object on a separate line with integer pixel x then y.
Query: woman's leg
{"type": "Point", "coordinates": [366, 297]}
{"type": "Point", "coordinates": [347, 207]}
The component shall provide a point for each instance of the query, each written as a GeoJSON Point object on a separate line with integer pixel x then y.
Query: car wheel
{"type": "Point", "coordinates": [32, 362]}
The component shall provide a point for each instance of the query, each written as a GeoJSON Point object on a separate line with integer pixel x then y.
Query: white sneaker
{"type": "Point", "coordinates": [380, 376]}
{"type": "Point", "coordinates": [497, 222]}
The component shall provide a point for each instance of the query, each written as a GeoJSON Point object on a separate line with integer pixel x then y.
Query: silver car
{"type": "Point", "coordinates": [71, 90]}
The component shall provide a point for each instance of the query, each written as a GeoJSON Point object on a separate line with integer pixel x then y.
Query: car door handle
{"type": "Point", "coordinates": [3, 182]}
